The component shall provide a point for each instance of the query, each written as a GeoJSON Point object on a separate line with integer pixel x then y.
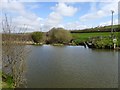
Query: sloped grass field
{"type": "Point", "coordinates": [85, 36]}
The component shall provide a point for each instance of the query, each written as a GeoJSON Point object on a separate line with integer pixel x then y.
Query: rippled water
{"type": "Point", "coordinates": [71, 67]}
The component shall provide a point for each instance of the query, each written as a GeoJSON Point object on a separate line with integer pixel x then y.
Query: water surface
{"type": "Point", "coordinates": [71, 67]}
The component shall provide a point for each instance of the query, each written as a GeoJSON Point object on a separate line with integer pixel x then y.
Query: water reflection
{"type": "Point", "coordinates": [72, 67]}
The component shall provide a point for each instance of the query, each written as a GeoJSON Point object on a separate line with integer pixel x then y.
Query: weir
{"type": "Point", "coordinates": [85, 45]}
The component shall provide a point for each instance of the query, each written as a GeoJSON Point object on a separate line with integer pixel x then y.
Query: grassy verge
{"type": "Point", "coordinates": [83, 37]}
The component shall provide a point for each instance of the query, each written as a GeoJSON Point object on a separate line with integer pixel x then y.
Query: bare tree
{"type": "Point", "coordinates": [13, 51]}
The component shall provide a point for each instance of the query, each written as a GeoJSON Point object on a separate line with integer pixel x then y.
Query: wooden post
{"type": "Point", "coordinates": [114, 46]}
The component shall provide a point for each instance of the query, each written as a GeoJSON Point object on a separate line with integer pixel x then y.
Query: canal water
{"type": "Point", "coordinates": [71, 67]}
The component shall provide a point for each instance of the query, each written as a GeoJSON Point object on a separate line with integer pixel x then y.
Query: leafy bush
{"type": "Point", "coordinates": [37, 37]}
{"type": "Point", "coordinates": [103, 43]}
{"type": "Point", "coordinates": [118, 38]}
{"type": "Point", "coordinates": [59, 35]}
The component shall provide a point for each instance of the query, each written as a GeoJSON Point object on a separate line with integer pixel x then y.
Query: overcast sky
{"type": "Point", "coordinates": [42, 16]}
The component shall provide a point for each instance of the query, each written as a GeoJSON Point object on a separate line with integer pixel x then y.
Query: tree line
{"type": "Point", "coordinates": [54, 36]}
{"type": "Point", "coordinates": [116, 28]}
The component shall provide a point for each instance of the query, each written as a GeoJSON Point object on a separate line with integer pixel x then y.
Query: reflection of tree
{"type": "Point", "coordinates": [13, 52]}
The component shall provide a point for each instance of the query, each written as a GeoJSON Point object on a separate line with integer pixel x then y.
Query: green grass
{"type": "Point", "coordinates": [85, 36]}
{"type": "Point", "coordinates": [8, 83]}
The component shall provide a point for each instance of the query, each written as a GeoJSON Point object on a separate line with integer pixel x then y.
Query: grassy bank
{"type": "Point", "coordinates": [85, 36]}
{"type": "Point", "coordinates": [98, 39]}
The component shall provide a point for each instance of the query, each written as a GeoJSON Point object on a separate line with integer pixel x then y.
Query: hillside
{"type": "Point", "coordinates": [116, 28]}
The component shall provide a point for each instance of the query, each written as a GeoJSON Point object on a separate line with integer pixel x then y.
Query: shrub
{"type": "Point", "coordinates": [103, 43]}
{"type": "Point", "coordinates": [37, 37]}
{"type": "Point", "coordinates": [59, 35]}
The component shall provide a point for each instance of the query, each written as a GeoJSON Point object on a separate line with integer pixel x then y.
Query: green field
{"type": "Point", "coordinates": [84, 36]}
{"type": "Point", "coordinates": [98, 29]}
